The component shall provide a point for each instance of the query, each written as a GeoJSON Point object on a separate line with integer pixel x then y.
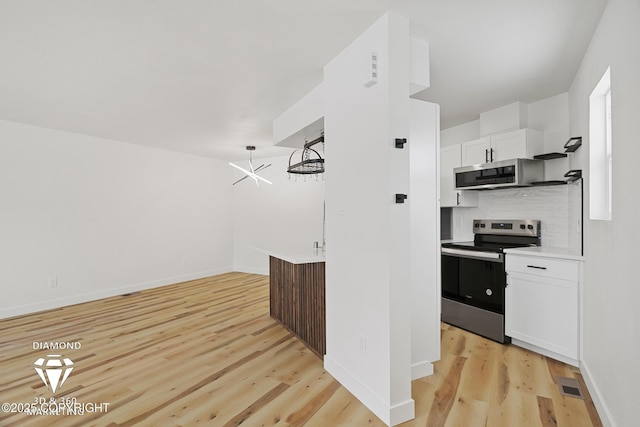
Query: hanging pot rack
{"type": "Point", "coordinates": [311, 162]}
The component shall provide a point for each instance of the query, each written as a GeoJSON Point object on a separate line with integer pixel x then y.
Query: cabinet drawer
{"type": "Point", "coordinates": [545, 267]}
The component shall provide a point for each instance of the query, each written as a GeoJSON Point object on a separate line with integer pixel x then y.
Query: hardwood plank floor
{"type": "Point", "coordinates": [206, 352]}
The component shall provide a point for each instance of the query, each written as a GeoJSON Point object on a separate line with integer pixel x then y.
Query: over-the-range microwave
{"type": "Point", "coordinates": [505, 173]}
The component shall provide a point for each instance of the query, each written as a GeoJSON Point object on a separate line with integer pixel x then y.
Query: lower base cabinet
{"type": "Point", "coordinates": [542, 305]}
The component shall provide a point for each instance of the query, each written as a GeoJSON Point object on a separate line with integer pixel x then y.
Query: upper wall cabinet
{"type": "Point", "coordinates": [450, 197]}
{"type": "Point", "coordinates": [521, 143]}
{"type": "Point", "coordinates": [476, 151]}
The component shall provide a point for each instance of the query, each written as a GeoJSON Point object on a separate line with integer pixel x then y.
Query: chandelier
{"type": "Point", "coordinates": [252, 172]}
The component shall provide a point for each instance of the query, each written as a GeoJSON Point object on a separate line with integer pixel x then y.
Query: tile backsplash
{"type": "Point", "coordinates": [558, 207]}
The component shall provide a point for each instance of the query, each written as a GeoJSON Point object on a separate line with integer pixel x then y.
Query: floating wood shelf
{"type": "Point", "coordinates": [554, 182]}
{"type": "Point", "coordinates": [573, 144]}
{"type": "Point", "coordinates": [550, 156]}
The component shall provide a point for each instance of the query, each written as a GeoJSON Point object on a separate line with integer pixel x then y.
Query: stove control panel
{"type": "Point", "coordinates": [514, 227]}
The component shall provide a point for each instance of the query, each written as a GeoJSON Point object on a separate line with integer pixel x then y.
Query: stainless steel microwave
{"type": "Point", "coordinates": [505, 173]}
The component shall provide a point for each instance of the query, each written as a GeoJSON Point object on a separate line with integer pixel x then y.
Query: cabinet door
{"type": "Point", "coordinates": [510, 145]}
{"type": "Point", "coordinates": [476, 151]}
{"type": "Point", "coordinates": [449, 159]}
{"type": "Point", "coordinates": [449, 196]}
{"type": "Point", "coordinates": [543, 311]}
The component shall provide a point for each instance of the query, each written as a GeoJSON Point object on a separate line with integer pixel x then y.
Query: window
{"type": "Point", "coordinates": [600, 150]}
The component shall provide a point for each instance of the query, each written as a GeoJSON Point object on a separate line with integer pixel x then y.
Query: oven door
{"type": "Point", "coordinates": [475, 278]}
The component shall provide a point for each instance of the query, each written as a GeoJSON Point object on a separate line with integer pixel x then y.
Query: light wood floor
{"type": "Point", "coordinates": [206, 352]}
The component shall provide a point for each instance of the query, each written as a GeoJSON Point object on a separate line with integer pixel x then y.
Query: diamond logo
{"type": "Point", "coordinates": [53, 369]}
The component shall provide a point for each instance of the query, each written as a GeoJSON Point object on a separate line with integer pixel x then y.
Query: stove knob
{"type": "Point", "coordinates": [489, 292]}
{"type": "Point", "coordinates": [522, 226]}
{"type": "Point", "coordinates": [530, 227]}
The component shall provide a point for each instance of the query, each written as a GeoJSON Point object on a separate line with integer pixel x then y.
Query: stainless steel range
{"type": "Point", "coordinates": [473, 275]}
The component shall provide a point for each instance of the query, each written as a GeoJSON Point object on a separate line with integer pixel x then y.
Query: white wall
{"type": "Point", "coordinates": [285, 217]}
{"type": "Point", "coordinates": [424, 139]}
{"type": "Point", "coordinates": [367, 270]}
{"type": "Point", "coordinates": [551, 115]}
{"type": "Point", "coordinates": [611, 324]}
{"type": "Point", "coordinates": [461, 133]}
{"type": "Point", "coordinates": [104, 218]}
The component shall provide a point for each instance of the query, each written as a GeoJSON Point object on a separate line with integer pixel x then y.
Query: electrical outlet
{"type": "Point", "coordinates": [342, 208]}
{"type": "Point", "coordinates": [363, 345]}
{"type": "Point", "coordinates": [53, 282]}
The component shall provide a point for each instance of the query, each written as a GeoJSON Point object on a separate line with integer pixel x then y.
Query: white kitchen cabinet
{"type": "Point", "coordinates": [521, 143]}
{"type": "Point", "coordinates": [542, 305]}
{"type": "Point", "coordinates": [476, 151]}
{"type": "Point", "coordinates": [449, 196]}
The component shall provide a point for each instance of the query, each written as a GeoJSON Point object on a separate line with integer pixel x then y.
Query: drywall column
{"type": "Point", "coordinates": [367, 267]}
{"type": "Point", "coordinates": [424, 143]}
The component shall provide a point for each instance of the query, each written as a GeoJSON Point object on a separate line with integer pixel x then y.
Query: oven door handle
{"type": "Point", "coordinates": [485, 256]}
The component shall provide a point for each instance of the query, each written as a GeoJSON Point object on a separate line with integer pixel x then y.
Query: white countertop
{"type": "Point", "coordinates": [548, 252]}
{"type": "Point", "coordinates": [305, 257]}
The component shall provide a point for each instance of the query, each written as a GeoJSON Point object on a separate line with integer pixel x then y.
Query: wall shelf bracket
{"type": "Point", "coordinates": [400, 198]}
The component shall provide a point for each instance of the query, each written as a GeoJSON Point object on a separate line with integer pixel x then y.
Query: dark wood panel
{"type": "Point", "coordinates": [298, 300]}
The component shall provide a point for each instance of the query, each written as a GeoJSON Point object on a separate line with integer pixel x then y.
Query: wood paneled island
{"type": "Point", "coordinates": [297, 298]}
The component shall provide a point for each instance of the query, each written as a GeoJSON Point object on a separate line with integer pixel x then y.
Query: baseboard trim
{"type": "Point", "coordinates": [402, 412]}
{"type": "Point", "coordinates": [552, 354]}
{"type": "Point", "coordinates": [421, 369]}
{"type": "Point", "coordinates": [596, 396]}
{"type": "Point", "coordinates": [251, 270]}
{"type": "Point", "coordinates": [389, 414]}
{"type": "Point", "coordinates": [106, 293]}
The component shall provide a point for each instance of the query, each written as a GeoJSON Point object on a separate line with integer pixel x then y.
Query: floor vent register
{"type": "Point", "coordinates": [570, 387]}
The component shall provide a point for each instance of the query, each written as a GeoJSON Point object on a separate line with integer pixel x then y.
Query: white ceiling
{"type": "Point", "coordinates": [208, 77]}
